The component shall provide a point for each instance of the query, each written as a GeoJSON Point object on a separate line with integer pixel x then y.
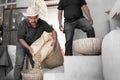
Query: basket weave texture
{"type": "Point", "coordinates": [29, 73]}
{"type": "Point", "coordinates": [31, 76]}
{"type": "Point", "coordinates": [87, 46]}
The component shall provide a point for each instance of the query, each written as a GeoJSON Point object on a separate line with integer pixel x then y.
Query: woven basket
{"type": "Point", "coordinates": [31, 76]}
{"type": "Point", "coordinates": [26, 72]}
{"type": "Point", "coordinates": [87, 46]}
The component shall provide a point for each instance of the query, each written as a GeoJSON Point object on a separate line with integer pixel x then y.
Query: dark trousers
{"type": "Point", "coordinates": [20, 57]}
{"type": "Point", "coordinates": [69, 28]}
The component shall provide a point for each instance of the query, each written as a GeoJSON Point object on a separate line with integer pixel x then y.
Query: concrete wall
{"type": "Point", "coordinates": [83, 68]}
{"type": "Point", "coordinates": [79, 68]}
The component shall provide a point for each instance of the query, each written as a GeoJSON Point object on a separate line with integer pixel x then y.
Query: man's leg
{"type": "Point", "coordinates": [20, 56]}
{"type": "Point", "coordinates": [86, 27]}
{"type": "Point", "coordinates": [69, 32]}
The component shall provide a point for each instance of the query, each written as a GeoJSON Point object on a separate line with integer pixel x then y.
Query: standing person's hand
{"type": "Point", "coordinates": [90, 21]}
{"type": "Point", "coordinates": [87, 13]}
{"type": "Point", "coordinates": [61, 28]}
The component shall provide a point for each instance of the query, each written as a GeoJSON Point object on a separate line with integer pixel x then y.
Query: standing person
{"type": "Point", "coordinates": [74, 19]}
{"type": "Point", "coordinates": [29, 30]}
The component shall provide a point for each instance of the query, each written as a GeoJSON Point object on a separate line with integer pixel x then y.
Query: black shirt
{"type": "Point", "coordinates": [72, 9]}
{"type": "Point", "coordinates": [30, 34]}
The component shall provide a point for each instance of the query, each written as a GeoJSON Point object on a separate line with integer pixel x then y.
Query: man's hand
{"type": "Point", "coordinates": [54, 45]}
{"type": "Point", "coordinates": [90, 21]}
{"type": "Point", "coordinates": [61, 28]}
{"type": "Point", "coordinates": [31, 51]}
{"type": "Point", "coordinates": [87, 13]}
{"type": "Point", "coordinates": [54, 33]}
{"type": "Point", "coordinates": [24, 44]}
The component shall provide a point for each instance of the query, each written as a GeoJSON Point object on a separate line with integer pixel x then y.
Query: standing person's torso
{"type": "Point", "coordinates": [72, 9]}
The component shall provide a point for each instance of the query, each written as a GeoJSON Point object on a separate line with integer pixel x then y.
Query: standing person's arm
{"type": "Point", "coordinates": [87, 13]}
{"type": "Point", "coordinates": [60, 19]}
{"type": "Point", "coordinates": [24, 44]}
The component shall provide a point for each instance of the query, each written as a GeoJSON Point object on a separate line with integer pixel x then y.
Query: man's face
{"type": "Point", "coordinates": [33, 20]}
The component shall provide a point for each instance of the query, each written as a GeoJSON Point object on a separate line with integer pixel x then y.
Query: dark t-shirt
{"type": "Point", "coordinates": [30, 34]}
{"type": "Point", "coordinates": [72, 9]}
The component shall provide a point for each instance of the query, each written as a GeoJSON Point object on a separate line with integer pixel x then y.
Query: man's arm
{"type": "Point", "coordinates": [60, 19]}
{"type": "Point", "coordinates": [54, 39]}
{"type": "Point", "coordinates": [87, 13]}
{"type": "Point", "coordinates": [24, 44]}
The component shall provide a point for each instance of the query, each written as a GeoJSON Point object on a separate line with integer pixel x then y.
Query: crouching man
{"type": "Point", "coordinates": [29, 30]}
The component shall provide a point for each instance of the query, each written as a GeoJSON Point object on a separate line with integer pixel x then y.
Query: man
{"type": "Point", "coordinates": [74, 19]}
{"type": "Point", "coordinates": [29, 30]}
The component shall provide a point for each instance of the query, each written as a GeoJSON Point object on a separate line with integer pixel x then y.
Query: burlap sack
{"type": "Point", "coordinates": [49, 58]}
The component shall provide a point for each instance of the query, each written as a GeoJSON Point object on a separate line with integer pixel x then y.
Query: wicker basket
{"type": "Point", "coordinates": [31, 76]}
{"type": "Point", "coordinates": [26, 72]}
{"type": "Point", "coordinates": [87, 46]}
